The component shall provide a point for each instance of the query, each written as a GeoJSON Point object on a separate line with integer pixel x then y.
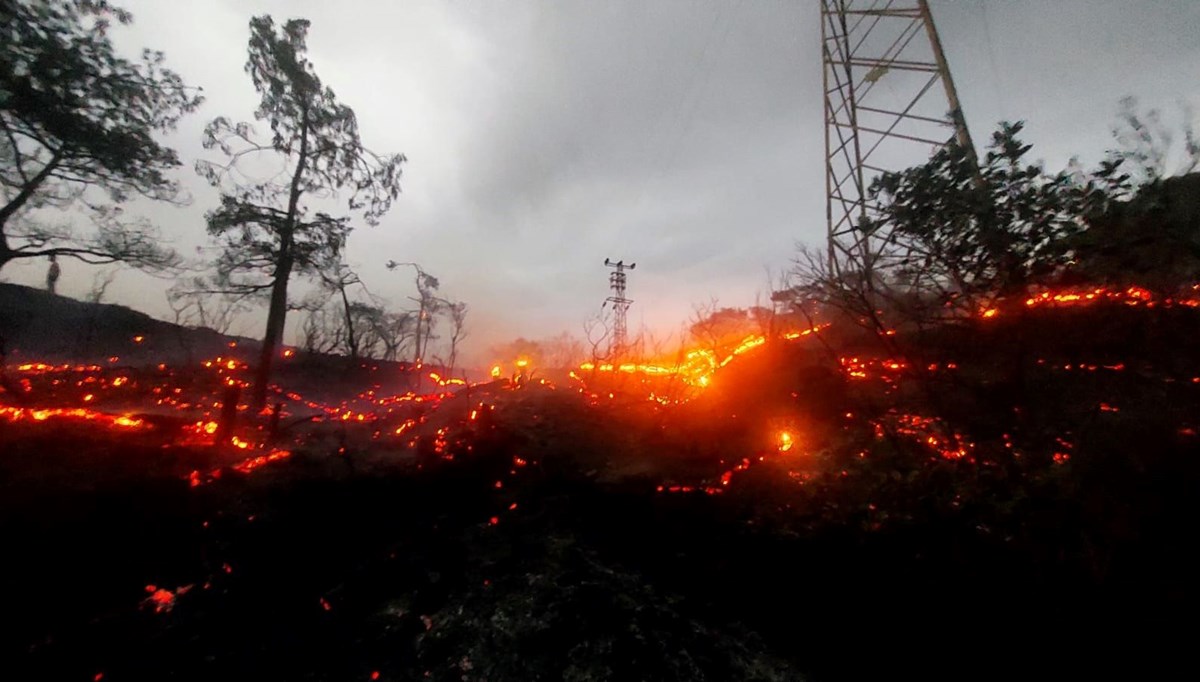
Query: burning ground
{"type": "Point", "coordinates": [1014, 495]}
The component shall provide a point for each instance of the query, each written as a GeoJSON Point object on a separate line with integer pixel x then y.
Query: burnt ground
{"type": "Point", "coordinates": [1062, 544]}
{"type": "Point", "coordinates": [337, 566]}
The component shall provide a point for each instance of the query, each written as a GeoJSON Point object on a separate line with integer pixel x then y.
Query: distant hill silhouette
{"type": "Point", "coordinates": [38, 325]}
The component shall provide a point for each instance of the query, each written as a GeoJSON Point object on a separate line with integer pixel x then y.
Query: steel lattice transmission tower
{"type": "Point", "coordinates": [882, 60]}
{"type": "Point", "coordinates": [616, 281]}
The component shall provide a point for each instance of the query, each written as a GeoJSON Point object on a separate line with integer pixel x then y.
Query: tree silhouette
{"type": "Point", "coordinates": [336, 279]}
{"type": "Point", "coordinates": [429, 305]}
{"type": "Point", "coordinates": [266, 230]}
{"type": "Point", "coordinates": [77, 127]}
{"type": "Point", "coordinates": [961, 235]}
{"type": "Point", "coordinates": [456, 312]}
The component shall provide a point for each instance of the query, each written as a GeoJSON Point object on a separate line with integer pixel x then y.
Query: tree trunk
{"type": "Point", "coordinates": [417, 348]}
{"type": "Point", "coordinates": [351, 341]}
{"type": "Point", "coordinates": [276, 318]}
{"type": "Point", "coordinates": [277, 313]}
{"type": "Point", "coordinates": [414, 371]}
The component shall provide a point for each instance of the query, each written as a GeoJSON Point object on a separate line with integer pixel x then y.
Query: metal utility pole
{"type": "Point", "coordinates": [616, 280]}
{"type": "Point", "coordinates": [871, 130]}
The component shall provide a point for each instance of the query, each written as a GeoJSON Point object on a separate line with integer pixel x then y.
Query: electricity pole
{"type": "Point", "coordinates": [616, 280]}
{"type": "Point", "coordinates": [871, 130]}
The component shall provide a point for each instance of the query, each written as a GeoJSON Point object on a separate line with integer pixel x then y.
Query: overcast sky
{"type": "Point", "coordinates": [546, 135]}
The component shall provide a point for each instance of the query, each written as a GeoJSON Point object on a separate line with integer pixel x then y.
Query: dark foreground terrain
{"type": "Point", "coordinates": [1045, 530]}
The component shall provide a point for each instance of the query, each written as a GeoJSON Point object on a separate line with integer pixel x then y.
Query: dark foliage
{"type": "Point", "coordinates": [79, 125]}
{"type": "Point", "coordinates": [1152, 240]}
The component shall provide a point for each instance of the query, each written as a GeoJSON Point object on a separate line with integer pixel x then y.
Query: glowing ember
{"type": "Point", "coordinates": [164, 600]}
{"type": "Point", "coordinates": [248, 465]}
{"type": "Point", "coordinates": [161, 599]}
{"type": "Point", "coordinates": [932, 433]}
{"type": "Point", "coordinates": [669, 381]}
{"type": "Point", "coordinates": [15, 414]}
{"type": "Point", "coordinates": [1132, 296]}
{"type": "Point", "coordinates": [785, 441]}
{"type": "Point", "coordinates": [694, 368]}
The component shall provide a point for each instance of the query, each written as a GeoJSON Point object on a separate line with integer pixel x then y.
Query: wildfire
{"type": "Point", "coordinates": [928, 431]}
{"type": "Point", "coordinates": [249, 465]}
{"type": "Point", "coordinates": [664, 381]}
{"type": "Point", "coordinates": [15, 414]}
{"type": "Point", "coordinates": [43, 368]}
{"type": "Point", "coordinates": [785, 441]}
{"type": "Point", "coordinates": [1130, 296]}
{"type": "Point", "coordinates": [437, 379]}
{"type": "Point", "coordinates": [694, 368]}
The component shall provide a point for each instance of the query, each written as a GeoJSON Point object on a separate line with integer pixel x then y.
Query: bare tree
{"type": "Point", "coordinates": [457, 312]}
{"type": "Point", "coordinates": [322, 331]}
{"type": "Point", "coordinates": [195, 306]}
{"type": "Point", "coordinates": [597, 330]}
{"type": "Point", "coordinates": [367, 320]}
{"type": "Point", "coordinates": [100, 283]}
{"type": "Point", "coordinates": [428, 306]}
{"type": "Point", "coordinates": [563, 351]}
{"type": "Point", "coordinates": [337, 278]}
{"type": "Point", "coordinates": [394, 331]}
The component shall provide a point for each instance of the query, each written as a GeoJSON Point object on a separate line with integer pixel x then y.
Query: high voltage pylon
{"type": "Point", "coordinates": [881, 60]}
{"type": "Point", "coordinates": [616, 281]}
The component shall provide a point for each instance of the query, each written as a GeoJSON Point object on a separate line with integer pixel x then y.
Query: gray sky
{"type": "Point", "coordinates": [544, 136]}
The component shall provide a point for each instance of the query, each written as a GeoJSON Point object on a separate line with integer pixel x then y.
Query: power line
{"type": "Point", "coordinates": [616, 280]}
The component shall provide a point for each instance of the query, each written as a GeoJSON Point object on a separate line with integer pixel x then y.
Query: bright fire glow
{"type": "Point", "coordinates": [785, 441]}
